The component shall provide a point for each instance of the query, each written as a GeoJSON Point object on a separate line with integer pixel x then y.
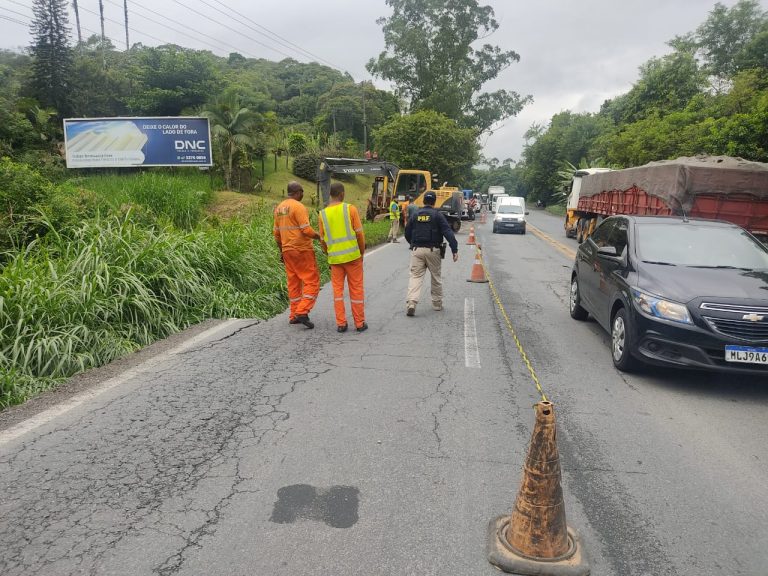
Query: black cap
{"type": "Point", "coordinates": [430, 198]}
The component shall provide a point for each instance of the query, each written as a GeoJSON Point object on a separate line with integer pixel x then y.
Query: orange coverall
{"type": "Point", "coordinates": [353, 272]}
{"type": "Point", "coordinates": [294, 235]}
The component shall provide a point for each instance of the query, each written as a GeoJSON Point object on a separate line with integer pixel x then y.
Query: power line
{"type": "Point", "coordinates": [274, 36]}
{"type": "Point", "coordinates": [233, 29]}
{"type": "Point", "coordinates": [120, 24]}
{"type": "Point", "coordinates": [17, 13]}
{"type": "Point", "coordinates": [218, 47]}
{"type": "Point", "coordinates": [11, 19]}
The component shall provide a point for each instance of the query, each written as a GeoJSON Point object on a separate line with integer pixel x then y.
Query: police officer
{"type": "Point", "coordinates": [425, 233]}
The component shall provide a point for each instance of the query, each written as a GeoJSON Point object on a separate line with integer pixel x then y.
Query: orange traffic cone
{"type": "Point", "coordinates": [535, 539]}
{"type": "Point", "coordinates": [471, 239]}
{"type": "Point", "coordinates": [482, 217]}
{"type": "Point", "coordinates": [478, 271]}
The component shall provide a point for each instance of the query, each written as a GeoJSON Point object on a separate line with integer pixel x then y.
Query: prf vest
{"type": "Point", "coordinates": [338, 234]}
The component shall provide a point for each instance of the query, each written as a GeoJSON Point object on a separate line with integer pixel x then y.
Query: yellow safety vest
{"type": "Point", "coordinates": [394, 211]}
{"type": "Point", "coordinates": [338, 234]}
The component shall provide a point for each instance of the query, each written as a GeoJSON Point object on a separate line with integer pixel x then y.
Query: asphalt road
{"type": "Point", "coordinates": [260, 448]}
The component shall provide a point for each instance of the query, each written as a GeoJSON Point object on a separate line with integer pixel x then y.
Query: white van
{"type": "Point", "coordinates": [496, 199]}
{"type": "Point", "coordinates": [510, 215]}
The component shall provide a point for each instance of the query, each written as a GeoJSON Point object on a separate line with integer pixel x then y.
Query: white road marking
{"type": "Point", "coordinates": [47, 415]}
{"type": "Point", "coordinates": [471, 351]}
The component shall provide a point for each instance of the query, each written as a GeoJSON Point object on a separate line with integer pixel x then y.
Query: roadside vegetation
{"type": "Point", "coordinates": [95, 264]}
{"type": "Point", "coordinates": [151, 259]}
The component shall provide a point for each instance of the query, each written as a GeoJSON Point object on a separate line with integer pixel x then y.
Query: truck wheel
{"type": "Point", "coordinates": [580, 230]}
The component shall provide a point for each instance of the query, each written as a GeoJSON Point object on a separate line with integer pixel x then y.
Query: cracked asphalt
{"type": "Point", "coordinates": [262, 448]}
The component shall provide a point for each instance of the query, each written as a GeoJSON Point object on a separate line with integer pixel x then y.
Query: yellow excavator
{"type": "Point", "coordinates": [392, 182]}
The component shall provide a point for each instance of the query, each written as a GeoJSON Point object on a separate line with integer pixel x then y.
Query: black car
{"type": "Point", "coordinates": [676, 292]}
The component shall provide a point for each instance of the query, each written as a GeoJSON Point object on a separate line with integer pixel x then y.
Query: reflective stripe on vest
{"type": "Point", "coordinates": [338, 234]}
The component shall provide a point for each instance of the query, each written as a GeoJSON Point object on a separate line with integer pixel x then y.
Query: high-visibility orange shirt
{"type": "Point", "coordinates": [292, 229]}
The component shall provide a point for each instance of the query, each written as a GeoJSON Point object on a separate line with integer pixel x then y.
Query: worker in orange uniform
{"type": "Point", "coordinates": [342, 238]}
{"type": "Point", "coordinates": [294, 234]}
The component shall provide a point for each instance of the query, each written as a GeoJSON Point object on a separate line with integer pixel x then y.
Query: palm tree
{"type": "Point", "coordinates": [233, 128]}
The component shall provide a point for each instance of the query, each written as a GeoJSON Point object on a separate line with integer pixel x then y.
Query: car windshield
{"type": "Point", "coordinates": [510, 209]}
{"type": "Point", "coordinates": [699, 245]}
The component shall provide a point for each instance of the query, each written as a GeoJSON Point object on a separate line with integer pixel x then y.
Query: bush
{"type": "Point", "coordinates": [305, 166]}
{"type": "Point", "coordinates": [21, 190]}
{"type": "Point", "coordinates": [297, 143]}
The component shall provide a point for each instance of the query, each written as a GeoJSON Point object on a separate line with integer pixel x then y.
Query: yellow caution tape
{"type": "Point", "coordinates": [511, 329]}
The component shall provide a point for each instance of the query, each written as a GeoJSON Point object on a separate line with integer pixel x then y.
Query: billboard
{"type": "Point", "coordinates": [122, 142]}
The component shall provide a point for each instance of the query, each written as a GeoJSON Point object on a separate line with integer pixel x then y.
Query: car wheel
{"type": "Point", "coordinates": [494, 229]}
{"type": "Point", "coordinates": [523, 232]}
{"type": "Point", "coordinates": [621, 342]}
{"type": "Point", "coordinates": [574, 302]}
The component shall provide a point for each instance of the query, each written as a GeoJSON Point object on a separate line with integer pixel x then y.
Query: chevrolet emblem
{"type": "Point", "coordinates": [752, 317]}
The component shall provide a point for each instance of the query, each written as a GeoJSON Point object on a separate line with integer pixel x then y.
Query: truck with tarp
{"type": "Point", "coordinates": [711, 187]}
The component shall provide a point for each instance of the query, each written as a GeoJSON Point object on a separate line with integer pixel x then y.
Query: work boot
{"type": "Point", "coordinates": [410, 309]}
{"type": "Point", "coordinates": [293, 321]}
{"type": "Point", "coordinates": [363, 327]}
{"type": "Point", "coordinates": [437, 306]}
{"type": "Point", "coordinates": [342, 328]}
{"type": "Point", "coordinates": [304, 319]}
{"type": "Point", "coordinates": [396, 240]}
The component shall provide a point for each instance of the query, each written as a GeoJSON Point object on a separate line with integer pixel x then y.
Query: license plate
{"type": "Point", "coordinates": [746, 354]}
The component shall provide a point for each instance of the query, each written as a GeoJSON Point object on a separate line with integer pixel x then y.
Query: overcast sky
{"type": "Point", "coordinates": [573, 54]}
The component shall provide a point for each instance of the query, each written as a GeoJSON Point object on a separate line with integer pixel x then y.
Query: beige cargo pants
{"type": "Point", "coordinates": [423, 259]}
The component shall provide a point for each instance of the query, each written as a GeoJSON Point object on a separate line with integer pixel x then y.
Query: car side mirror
{"type": "Point", "coordinates": [607, 251]}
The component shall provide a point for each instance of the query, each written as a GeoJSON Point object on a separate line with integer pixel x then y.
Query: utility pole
{"type": "Point", "coordinates": [77, 19]}
{"type": "Point", "coordinates": [125, 8]}
{"type": "Point", "coordinates": [334, 122]}
{"type": "Point", "coordinates": [365, 124]}
{"type": "Point", "coordinates": [103, 38]}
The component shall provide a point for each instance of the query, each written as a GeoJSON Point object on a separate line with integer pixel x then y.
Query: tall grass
{"type": "Point", "coordinates": [179, 197]}
{"type": "Point", "coordinates": [82, 297]}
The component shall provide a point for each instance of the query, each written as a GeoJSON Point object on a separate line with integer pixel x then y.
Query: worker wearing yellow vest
{"type": "Point", "coordinates": [343, 240]}
{"type": "Point", "coordinates": [394, 218]}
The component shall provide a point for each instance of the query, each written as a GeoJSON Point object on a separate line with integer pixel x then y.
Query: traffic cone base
{"type": "Point", "coordinates": [502, 555]}
{"type": "Point", "coordinates": [478, 272]}
{"type": "Point", "coordinates": [535, 539]}
{"type": "Point", "coordinates": [471, 239]}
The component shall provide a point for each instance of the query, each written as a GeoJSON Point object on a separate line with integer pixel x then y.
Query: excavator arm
{"type": "Point", "coordinates": [330, 166]}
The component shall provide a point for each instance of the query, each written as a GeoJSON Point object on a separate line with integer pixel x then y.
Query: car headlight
{"type": "Point", "coordinates": [660, 308]}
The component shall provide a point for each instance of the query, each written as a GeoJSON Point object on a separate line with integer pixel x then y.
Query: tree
{"type": "Point", "coordinates": [52, 53]}
{"type": "Point", "coordinates": [172, 79]}
{"type": "Point", "coordinates": [666, 85]}
{"type": "Point", "coordinates": [233, 129]}
{"type": "Point", "coordinates": [726, 34]}
{"type": "Point", "coordinates": [429, 140]}
{"type": "Point", "coordinates": [347, 105]}
{"type": "Point", "coordinates": [431, 60]}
